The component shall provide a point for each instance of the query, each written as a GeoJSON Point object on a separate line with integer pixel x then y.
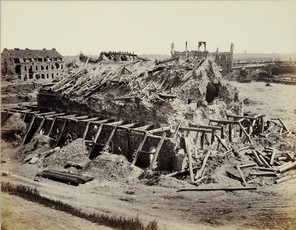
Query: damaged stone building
{"type": "Point", "coordinates": [27, 64]}
{"type": "Point", "coordinates": [223, 59]}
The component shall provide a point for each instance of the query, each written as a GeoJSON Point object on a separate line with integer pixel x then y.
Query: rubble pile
{"type": "Point", "coordinates": [165, 92]}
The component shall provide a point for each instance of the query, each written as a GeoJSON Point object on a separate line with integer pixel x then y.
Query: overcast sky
{"type": "Point", "coordinates": [149, 26]}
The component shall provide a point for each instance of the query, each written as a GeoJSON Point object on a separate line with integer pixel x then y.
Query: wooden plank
{"type": "Point", "coordinates": [258, 160]}
{"type": "Point", "coordinates": [230, 132]}
{"type": "Point", "coordinates": [188, 150]}
{"type": "Point", "coordinates": [145, 127]}
{"type": "Point", "coordinates": [109, 139]}
{"type": "Point", "coordinates": [157, 151]}
{"type": "Point", "coordinates": [220, 141]}
{"type": "Point", "coordinates": [46, 113]}
{"type": "Point", "coordinates": [115, 123]}
{"type": "Point", "coordinates": [51, 126]}
{"type": "Point", "coordinates": [40, 126]}
{"type": "Point", "coordinates": [225, 122]}
{"type": "Point", "coordinates": [239, 117]}
{"type": "Point", "coordinates": [161, 129]}
{"type": "Point", "coordinates": [198, 174]}
{"type": "Point", "coordinates": [30, 127]}
{"type": "Point", "coordinates": [90, 119]}
{"type": "Point", "coordinates": [245, 132]}
{"type": "Point", "coordinates": [127, 125]}
{"type": "Point", "coordinates": [195, 129]}
{"type": "Point", "coordinates": [54, 115]}
{"type": "Point", "coordinates": [177, 130]}
{"type": "Point", "coordinates": [241, 175]}
{"type": "Point", "coordinates": [283, 124]}
{"type": "Point", "coordinates": [101, 121]}
{"type": "Point", "coordinates": [85, 130]}
{"type": "Point", "coordinates": [216, 189]}
{"type": "Point", "coordinates": [262, 174]}
{"type": "Point", "coordinates": [61, 133]}
{"type": "Point", "coordinates": [139, 149]}
{"type": "Point", "coordinates": [272, 157]}
{"type": "Point", "coordinates": [247, 165]}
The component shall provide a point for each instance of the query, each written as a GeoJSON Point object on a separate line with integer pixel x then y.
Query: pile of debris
{"type": "Point", "coordinates": [165, 92]}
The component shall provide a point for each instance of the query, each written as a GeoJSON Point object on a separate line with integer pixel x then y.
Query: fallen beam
{"type": "Point", "coordinates": [216, 189]}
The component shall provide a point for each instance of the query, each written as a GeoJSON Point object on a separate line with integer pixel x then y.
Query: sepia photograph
{"type": "Point", "coordinates": [148, 115]}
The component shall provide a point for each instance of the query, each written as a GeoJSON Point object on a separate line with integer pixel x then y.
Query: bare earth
{"type": "Point", "coordinates": [20, 214]}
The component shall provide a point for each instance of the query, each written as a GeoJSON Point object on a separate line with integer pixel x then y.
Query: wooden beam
{"type": "Point", "coordinates": [40, 125]}
{"type": "Point", "coordinates": [220, 141]}
{"type": "Point", "coordinates": [145, 127]}
{"type": "Point", "coordinates": [61, 133]}
{"type": "Point", "coordinates": [155, 156]}
{"type": "Point", "coordinates": [139, 149]}
{"type": "Point", "coordinates": [188, 150]}
{"type": "Point", "coordinates": [90, 119]}
{"type": "Point", "coordinates": [127, 125]}
{"type": "Point", "coordinates": [85, 130]}
{"type": "Point", "coordinates": [30, 127]}
{"type": "Point", "coordinates": [282, 123]}
{"type": "Point", "coordinates": [245, 132]}
{"type": "Point", "coordinates": [109, 139]}
{"type": "Point", "coordinates": [115, 123]}
{"type": "Point", "coordinates": [199, 173]}
{"type": "Point", "coordinates": [223, 121]}
{"type": "Point", "coordinates": [242, 176]}
{"type": "Point", "coordinates": [195, 129]}
{"type": "Point", "coordinates": [51, 126]}
{"type": "Point", "coordinates": [216, 189]}
{"type": "Point", "coordinates": [54, 115]}
{"type": "Point", "coordinates": [161, 129]}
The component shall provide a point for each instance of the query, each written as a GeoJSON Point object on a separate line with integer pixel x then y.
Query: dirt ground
{"type": "Point", "coordinates": [15, 215]}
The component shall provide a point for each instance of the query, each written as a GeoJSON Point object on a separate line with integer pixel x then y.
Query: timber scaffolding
{"type": "Point", "coordinates": [54, 124]}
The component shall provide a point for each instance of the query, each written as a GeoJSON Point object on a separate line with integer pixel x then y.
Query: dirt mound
{"type": "Point", "coordinates": [112, 167]}
{"type": "Point", "coordinates": [15, 123]}
{"type": "Point", "coordinates": [38, 144]}
{"type": "Point", "coordinates": [75, 152]}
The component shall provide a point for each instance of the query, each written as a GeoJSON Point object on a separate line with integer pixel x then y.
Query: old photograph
{"type": "Point", "coordinates": [148, 115]}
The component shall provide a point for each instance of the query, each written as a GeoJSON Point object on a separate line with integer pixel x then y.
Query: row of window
{"type": "Point", "coordinates": [21, 60]}
{"type": "Point", "coordinates": [56, 65]}
{"type": "Point", "coordinates": [37, 76]}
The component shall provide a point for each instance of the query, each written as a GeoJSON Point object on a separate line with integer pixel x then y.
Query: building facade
{"type": "Point", "coordinates": [225, 60]}
{"type": "Point", "coordinates": [27, 64]}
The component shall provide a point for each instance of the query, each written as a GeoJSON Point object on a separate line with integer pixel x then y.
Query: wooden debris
{"type": "Point", "coordinates": [287, 167]}
{"type": "Point", "coordinates": [188, 150]}
{"type": "Point", "coordinates": [199, 173]}
{"type": "Point", "coordinates": [286, 178]}
{"type": "Point", "coordinates": [263, 174]}
{"type": "Point", "coordinates": [242, 176]}
{"type": "Point", "coordinates": [216, 189]}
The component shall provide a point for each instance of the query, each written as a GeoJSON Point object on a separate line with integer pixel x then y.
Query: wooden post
{"type": "Point", "coordinates": [30, 127]}
{"type": "Point", "coordinates": [51, 126]}
{"type": "Point", "coordinates": [222, 132]}
{"type": "Point", "coordinates": [109, 139]}
{"type": "Point", "coordinates": [202, 140]}
{"type": "Point", "coordinates": [139, 149]}
{"type": "Point", "coordinates": [213, 136]}
{"type": "Point", "coordinates": [157, 151]}
{"type": "Point", "coordinates": [86, 130]}
{"type": "Point", "coordinates": [61, 132]}
{"type": "Point", "coordinates": [230, 132]}
{"type": "Point", "coordinates": [262, 124]}
{"type": "Point", "coordinates": [188, 150]}
{"type": "Point", "coordinates": [245, 132]}
{"type": "Point", "coordinates": [242, 176]}
{"type": "Point", "coordinates": [199, 173]}
{"type": "Point", "coordinates": [96, 138]}
{"type": "Point", "coordinates": [40, 125]}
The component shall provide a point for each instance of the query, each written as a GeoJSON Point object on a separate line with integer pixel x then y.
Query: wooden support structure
{"type": "Point", "coordinates": [106, 147]}
{"type": "Point", "coordinates": [155, 156]}
{"type": "Point", "coordinates": [199, 173]}
{"type": "Point", "coordinates": [245, 132]}
{"type": "Point", "coordinates": [139, 149]}
{"type": "Point", "coordinates": [161, 129]}
{"type": "Point", "coordinates": [61, 132]}
{"type": "Point", "coordinates": [51, 126]}
{"type": "Point", "coordinates": [189, 154]}
{"type": "Point", "coordinates": [221, 142]}
{"type": "Point", "coordinates": [86, 130]}
{"type": "Point", "coordinates": [40, 125]}
{"type": "Point", "coordinates": [96, 138]}
{"type": "Point", "coordinates": [29, 129]}
{"type": "Point", "coordinates": [258, 160]}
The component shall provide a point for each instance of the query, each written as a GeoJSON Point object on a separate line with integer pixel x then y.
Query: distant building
{"type": "Point", "coordinates": [225, 60]}
{"type": "Point", "coordinates": [29, 64]}
{"type": "Point", "coordinates": [195, 54]}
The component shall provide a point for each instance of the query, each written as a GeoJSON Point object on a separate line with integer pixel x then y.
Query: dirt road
{"type": "Point", "coordinates": [20, 214]}
{"type": "Point", "coordinates": [270, 207]}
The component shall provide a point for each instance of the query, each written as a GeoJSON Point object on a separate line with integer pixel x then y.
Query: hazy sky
{"type": "Point", "coordinates": [149, 26]}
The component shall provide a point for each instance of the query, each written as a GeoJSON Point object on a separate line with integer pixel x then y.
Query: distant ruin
{"type": "Point", "coordinates": [222, 59]}
{"type": "Point", "coordinates": [27, 64]}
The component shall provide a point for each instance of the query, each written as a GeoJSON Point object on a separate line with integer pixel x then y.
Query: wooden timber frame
{"type": "Point", "coordinates": [54, 116]}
